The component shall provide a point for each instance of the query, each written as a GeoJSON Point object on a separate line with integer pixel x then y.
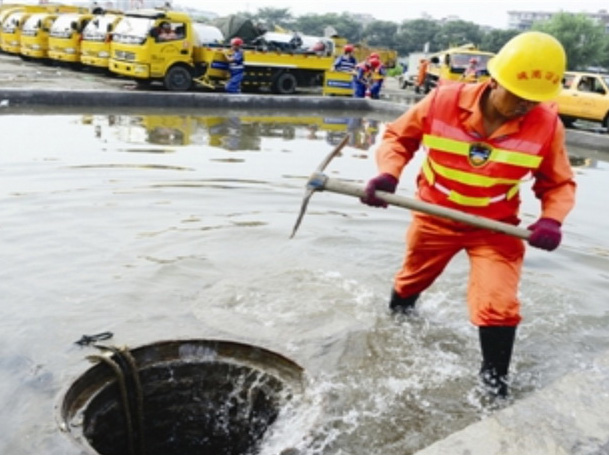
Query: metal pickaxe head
{"type": "Point", "coordinates": [317, 181]}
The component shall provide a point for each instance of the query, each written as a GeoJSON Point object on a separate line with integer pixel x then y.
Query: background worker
{"type": "Point", "coordinates": [422, 73]}
{"type": "Point", "coordinates": [482, 139]}
{"type": "Point", "coordinates": [378, 77]}
{"type": "Point", "coordinates": [471, 72]}
{"type": "Point", "coordinates": [363, 77]}
{"type": "Point", "coordinates": [345, 62]}
{"type": "Point", "coordinates": [165, 33]}
{"type": "Point", "coordinates": [236, 68]}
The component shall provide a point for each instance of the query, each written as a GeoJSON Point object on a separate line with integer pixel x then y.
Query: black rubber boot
{"type": "Point", "coordinates": [402, 305]}
{"type": "Point", "coordinates": [496, 343]}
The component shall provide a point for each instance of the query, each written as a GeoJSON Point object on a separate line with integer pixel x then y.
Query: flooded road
{"type": "Point", "coordinates": [175, 227]}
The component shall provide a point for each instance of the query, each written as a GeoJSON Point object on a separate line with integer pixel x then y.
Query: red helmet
{"type": "Point", "coordinates": [374, 62]}
{"type": "Point", "coordinates": [349, 48]}
{"type": "Point", "coordinates": [236, 41]}
{"type": "Point", "coordinates": [374, 55]}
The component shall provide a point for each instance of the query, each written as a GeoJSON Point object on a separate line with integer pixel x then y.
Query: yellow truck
{"type": "Point", "coordinates": [66, 35]}
{"type": "Point", "coordinates": [96, 37]}
{"type": "Point", "coordinates": [11, 28]}
{"type": "Point", "coordinates": [15, 20]}
{"type": "Point", "coordinates": [197, 56]}
{"type": "Point", "coordinates": [584, 96]}
{"type": "Point", "coordinates": [452, 64]}
{"type": "Point", "coordinates": [35, 36]}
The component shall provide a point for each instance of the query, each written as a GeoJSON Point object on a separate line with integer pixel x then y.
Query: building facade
{"type": "Point", "coordinates": [523, 20]}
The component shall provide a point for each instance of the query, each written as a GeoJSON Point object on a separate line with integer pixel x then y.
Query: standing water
{"type": "Point", "coordinates": [177, 227]}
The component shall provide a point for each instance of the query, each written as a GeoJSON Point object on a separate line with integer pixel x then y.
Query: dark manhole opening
{"type": "Point", "coordinates": [195, 397]}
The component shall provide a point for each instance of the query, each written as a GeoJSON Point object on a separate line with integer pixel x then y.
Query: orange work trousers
{"type": "Point", "coordinates": [495, 266]}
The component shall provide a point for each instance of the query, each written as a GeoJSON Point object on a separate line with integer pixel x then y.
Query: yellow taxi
{"type": "Point", "coordinates": [585, 96]}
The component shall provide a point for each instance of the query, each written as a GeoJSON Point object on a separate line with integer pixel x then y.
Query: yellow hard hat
{"type": "Point", "coordinates": [530, 65]}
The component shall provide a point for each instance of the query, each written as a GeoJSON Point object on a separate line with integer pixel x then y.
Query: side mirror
{"type": "Point", "coordinates": [74, 25]}
{"type": "Point", "coordinates": [154, 32]}
{"type": "Point", "coordinates": [435, 60]}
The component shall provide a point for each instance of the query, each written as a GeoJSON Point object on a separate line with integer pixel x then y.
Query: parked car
{"type": "Point", "coordinates": [585, 96]}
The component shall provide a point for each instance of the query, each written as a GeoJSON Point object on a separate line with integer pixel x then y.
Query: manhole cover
{"type": "Point", "coordinates": [194, 397]}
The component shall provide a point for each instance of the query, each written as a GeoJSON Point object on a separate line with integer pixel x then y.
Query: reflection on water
{"type": "Point", "coordinates": [186, 236]}
{"type": "Point", "coordinates": [235, 133]}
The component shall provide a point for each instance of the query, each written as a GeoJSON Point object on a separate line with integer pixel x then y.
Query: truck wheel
{"type": "Point", "coordinates": [285, 84]}
{"type": "Point", "coordinates": [567, 121]}
{"type": "Point", "coordinates": [605, 122]}
{"type": "Point", "coordinates": [178, 79]}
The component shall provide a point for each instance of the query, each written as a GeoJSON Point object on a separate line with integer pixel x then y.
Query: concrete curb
{"type": "Point", "coordinates": [569, 417]}
{"type": "Point", "coordinates": [18, 98]}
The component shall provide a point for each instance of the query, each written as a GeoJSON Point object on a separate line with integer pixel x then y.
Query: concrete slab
{"type": "Point", "coordinates": [570, 417]}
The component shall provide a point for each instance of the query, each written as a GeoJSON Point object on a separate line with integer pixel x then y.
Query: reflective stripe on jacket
{"type": "Point", "coordinates": [345, 63]}
{"type": "Point", "coordinates": [479, 176]}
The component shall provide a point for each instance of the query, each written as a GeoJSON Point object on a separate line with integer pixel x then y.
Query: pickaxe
{"type": "Point", "coordinates": [320, 182]}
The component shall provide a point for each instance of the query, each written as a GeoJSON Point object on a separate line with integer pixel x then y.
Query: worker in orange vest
{"type": "Point", "coordinates": [482, 140]}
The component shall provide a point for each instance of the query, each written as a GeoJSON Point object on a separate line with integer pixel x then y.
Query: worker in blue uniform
{"type": "Point", "coordinates": [345, 62]}
{"type": "Point", "coordinates": [362, 79]}
{"type": "Point", "coordinates": [236, 68]}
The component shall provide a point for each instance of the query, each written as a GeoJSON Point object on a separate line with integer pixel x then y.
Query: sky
{"type": "Point", "coordinates": [487, 12]}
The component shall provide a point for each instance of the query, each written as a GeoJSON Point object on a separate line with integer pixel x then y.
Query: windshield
{"type": "Point", "coordinates": [62, 27]}
{"type": "Point", "coordinates": [12, 23]}
{"type": "Point", "coordinates": [32, 25]}
{"type": "Point", "coordinates": [132, 30]}
{"type": "Point", "coordinates": [97, 29]}
{"type": "Point", "coordinates": [461, 61]}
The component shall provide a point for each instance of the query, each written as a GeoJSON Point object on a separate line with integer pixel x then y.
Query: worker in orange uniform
{"type": "Point", "coordinates": [482, 139]}
{"type": "Point", "coordinates": [423, 65]}
{"type": "Point", "coordinates": [378, 77]}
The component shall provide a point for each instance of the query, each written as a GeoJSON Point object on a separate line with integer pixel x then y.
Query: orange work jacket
{"type": "Point", "coordinates": [480, 175]}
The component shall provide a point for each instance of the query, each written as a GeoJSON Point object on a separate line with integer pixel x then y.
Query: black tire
{"type": "Point", "coordinates": [605, 122]}
{"type": "Point", "coordinates": [178, 79]}
{"type": "Point", "coordinates": [429, 84]}
{"type": "Point", "coordinates": [285, 84]}
{"type": "Point", "coordinates": [567, 121]}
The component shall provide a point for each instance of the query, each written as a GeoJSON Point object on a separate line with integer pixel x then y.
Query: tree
{"type": "Point", "coordinates": [344, 24]}
{"type": "Point", "coordinates": [381, 33]}
{"type": "Point", "coordinates": [494, 40]}
{"type": "Point", "coordinates": [276, 16]}
{"type": "Point", "coordinates": [585, 42]}
{"type": "Point", "coordinates": [413, 36]}
{"type": "Point", "coordinates": [458, 33]}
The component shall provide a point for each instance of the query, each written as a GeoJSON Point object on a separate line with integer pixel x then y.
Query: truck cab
{"type": "Point", "coordinates": [452, 64]}
{"type": "Point", "coordinates": [140, 52]}
{"type": "Point", "coordinates": [35, 35]}
{"type": "Point", "coordinates": [96, 38]}
{"type": "Point", "coordinates": [65, 37]}
{"type": "Point", "coordinates": [11, 31]}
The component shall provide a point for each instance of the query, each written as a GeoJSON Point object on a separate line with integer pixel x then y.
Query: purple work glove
{"type": "Point", "coordinates": [382, 182]}
{"type": "Point", "coordinates": [545, 234]}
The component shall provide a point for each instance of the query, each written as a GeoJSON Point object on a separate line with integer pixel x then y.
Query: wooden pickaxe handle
{"type": "Point", "coordinates": [320, 182]}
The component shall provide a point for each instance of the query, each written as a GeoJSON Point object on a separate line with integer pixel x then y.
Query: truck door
{"type": "Point", "coordinates": [594, 98]}
{"type": "Point", "coordinates": [170, 46]}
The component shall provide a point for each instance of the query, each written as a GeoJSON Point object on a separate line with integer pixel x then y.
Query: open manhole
{"type": "Point", "coordinates": [194, 397]}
